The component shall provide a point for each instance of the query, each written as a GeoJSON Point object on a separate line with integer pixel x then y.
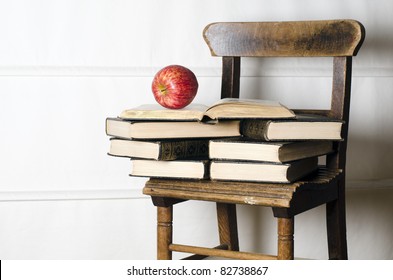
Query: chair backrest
{"type": "Point", "coordinates": [340, 39]}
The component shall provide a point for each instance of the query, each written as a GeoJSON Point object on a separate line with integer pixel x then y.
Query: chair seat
{"type": "Point", "coordinates": [297, 195]}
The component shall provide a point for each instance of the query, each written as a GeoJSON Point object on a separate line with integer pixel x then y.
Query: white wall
{"type": "Point", "coordinates": [67, 65]}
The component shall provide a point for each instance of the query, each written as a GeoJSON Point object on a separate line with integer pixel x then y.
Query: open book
{"type": "Point", "coordinates": [227, 108]}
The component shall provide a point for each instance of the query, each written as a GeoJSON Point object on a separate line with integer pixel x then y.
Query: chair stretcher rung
{"type": "Point", "coordinates": [219, 252]}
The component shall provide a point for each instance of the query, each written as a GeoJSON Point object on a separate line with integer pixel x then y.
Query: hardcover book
{"type": "Point", "coordinates": [227, 108]}
{"type": "Point", "coordinates": [263, 171]}
{"type": "Point", "coordinates": [242, 148]}
{"type": "Point", "coordinates": [185, 169]}
{"type": "Point", "coordinates": [160, 150]}
{"type": "Point", "coordinates": [121, 128]}
{"type": "Point", "coordinates": [304, 127]}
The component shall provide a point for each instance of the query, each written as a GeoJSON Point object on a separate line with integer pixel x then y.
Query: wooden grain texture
{"type": "Point", "coordinates": [340, 106]}
{"type": "Point", "coordinates": [336, 225]}
{"type": "Point", "coordinates": [227, 225]}
{"type": "Point", "coordinates": [220, 253]}
{"type": "Point", "coordinates": [196, 256]}
{"type": "Point", "coordinates": [285, 244]}
{"type": "Point", "coordinates": [164, 232]}
{"type": "Point", "coordinates": [263, 194]}
{"type": "Point", "coordinates": [335, 209]}
{"type": "Point", "coordinates": [230, 84]}
{"type": "Point", "coordinates": [300, 38]}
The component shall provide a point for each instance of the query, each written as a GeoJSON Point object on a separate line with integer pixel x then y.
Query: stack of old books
{"type": "Point", "coordinates": [235, 139]}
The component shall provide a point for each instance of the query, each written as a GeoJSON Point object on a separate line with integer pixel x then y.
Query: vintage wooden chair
{"type": "Point", "coordinates": [340, 39]}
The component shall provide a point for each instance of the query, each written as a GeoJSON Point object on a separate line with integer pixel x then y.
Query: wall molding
{"type": "Point", "coordinates": [73, 195]}
{"type": "Point", "coordinates": [13, 196]}
{"type": "Point", "coordinates": [127, 72]}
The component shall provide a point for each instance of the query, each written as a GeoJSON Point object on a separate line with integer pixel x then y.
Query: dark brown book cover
{"type": "Point", "coordinates": [171, 149]}
{"type": "Point", "coordinates": [185, 149]}
{"type": "Point", "coordinates": [260, 129]}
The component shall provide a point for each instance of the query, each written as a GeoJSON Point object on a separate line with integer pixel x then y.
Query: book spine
{"type": "Point", "coordinates": [196, 149]}
{"type": "Point", "coordinates": [206, 174]}
{"type": "Point", "coordinates": [255, 129]}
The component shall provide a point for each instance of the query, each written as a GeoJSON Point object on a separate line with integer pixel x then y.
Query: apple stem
{"type": "Point", "coordinates": [162, 89]}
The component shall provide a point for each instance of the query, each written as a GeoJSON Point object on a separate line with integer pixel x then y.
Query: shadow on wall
{"type": "Point", "coordinates": [369, 158]}
{"type": "Point", "coordinates": [370, 223]}
{"type": "Point", "coordinates": [377, 48]}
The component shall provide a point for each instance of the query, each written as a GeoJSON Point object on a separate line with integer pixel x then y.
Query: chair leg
{"type": "Point", "coordinates": [164, 232]}
{"type": "Point", "coordinates": [336, 226]}
{"type": "Point", "coordinates": [227, 225]}
{"type": "Point", "coordinates": [285, 238]}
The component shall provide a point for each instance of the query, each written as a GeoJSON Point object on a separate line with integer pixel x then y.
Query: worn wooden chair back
{"type": "Point", "coordinates": [339, 39]}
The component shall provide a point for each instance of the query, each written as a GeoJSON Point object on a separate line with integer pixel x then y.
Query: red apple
{"type": "Point", "coordinates": [174, 86]}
